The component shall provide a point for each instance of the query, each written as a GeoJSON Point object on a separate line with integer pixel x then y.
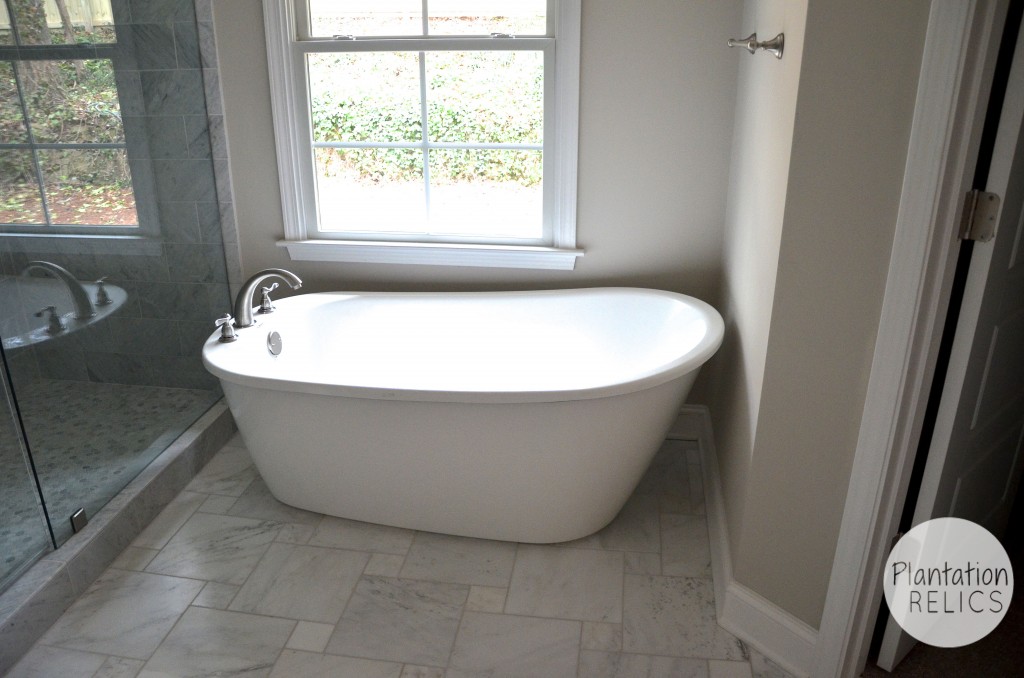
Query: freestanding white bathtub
{"type": "Point", "coordinates": [521, 416]}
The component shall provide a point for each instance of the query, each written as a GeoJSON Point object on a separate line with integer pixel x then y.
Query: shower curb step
{"type": "Point", "coordinates": [37, 599]}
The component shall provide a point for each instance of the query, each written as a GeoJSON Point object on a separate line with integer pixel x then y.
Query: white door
{"type": "Point", "coordinates": [975, 460]}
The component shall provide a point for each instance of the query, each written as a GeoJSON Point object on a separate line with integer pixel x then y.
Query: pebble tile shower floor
{"type": "Point", "coordinates": [88, 441]}
{"type": "Point", "coordinates": [227, 581]}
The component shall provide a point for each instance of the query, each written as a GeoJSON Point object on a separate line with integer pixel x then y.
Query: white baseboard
{"type": "Point", "coordinates": [758, 622]}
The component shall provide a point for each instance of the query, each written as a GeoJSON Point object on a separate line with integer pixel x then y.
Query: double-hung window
{"type": "Point", "coordinates": [427, 131]}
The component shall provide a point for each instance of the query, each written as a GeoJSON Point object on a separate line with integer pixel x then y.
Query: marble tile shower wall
{"type": "Point", "coordinates": [165, 66]}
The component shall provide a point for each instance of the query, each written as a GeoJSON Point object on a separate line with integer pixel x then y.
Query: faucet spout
{"type": "Point", "coordinates": [243, 303]}
{"type": "Point", "coordinates": [79, 297]}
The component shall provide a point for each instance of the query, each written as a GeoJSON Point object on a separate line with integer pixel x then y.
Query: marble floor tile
{"type": "Point", "coordinates": [257, 502]}
{"type": "Point", "coordinates": [762, 667]}
{"type": "Point", "coordinates": [459, 560]}
{"type": "Point", "coordinates": [124, 613]}
{"type": "Point", "coordinates": [302, 582]}
{"type": "Point", "coordinates": [295, 664]}
{"type": "Point", "coordinates": [506, 646]}
{"type": "Point", "coordinates": [230, 472]}
{"type": "Point", "coordinates": [217, 643]}
{"type": "Point", "coordinates": [133, 558]}
{"type": "Point", "coordinates": [597, 664]}
{"type": "Point", "coordinates": [215, 548]}
{"type": "Point", "coordinates": [400, 620]}
{"type": "Point", "coordinates": [47, 662]}
{"type": "Point", "coordinates": [635, 528]}
{"type": "Point", "coordinates": [685, 550]}
{"type": "Point", "coordinates": [601, 636]}
{"type": "Point", "coordinates": [216, 595]}
{"type": "Point", "coordinates": [119, 667]}
{"type": "Point", "coordinates": [352, 534]}
{"type": "Point", "coordinates": [718, 668]}
{"type": "Point", "coordinates": [310, 636]}
{"type": "Point", "coordinates": [486, 598]}
{"type": "Point", "coordinates": [553, 581]}
{"type": "Point", "coordinates": [674, 616]}
{"type": "Point", "coordinates": [668, 478]}
{"type": "Point", "coordinates": [159, 532]}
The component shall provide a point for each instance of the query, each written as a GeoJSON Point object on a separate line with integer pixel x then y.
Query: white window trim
{"type": "Point", "coordinates": [292, 131]}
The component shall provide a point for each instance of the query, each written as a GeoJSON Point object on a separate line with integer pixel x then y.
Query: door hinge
{"type": "Point", "coordinates": [981, 210]}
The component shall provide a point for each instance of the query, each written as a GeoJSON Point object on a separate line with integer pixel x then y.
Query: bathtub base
{"type": "Point", "coordinates": [538, 472]}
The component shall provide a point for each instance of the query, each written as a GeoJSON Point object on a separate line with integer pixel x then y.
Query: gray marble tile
{"type": "Point", "coordinates": [258, 502]}
{"type": "Point", "coordinates": [597, 664]}
{"type": "Point", "coordinates": [294, 664]}
{"type": "Point", "coordinates": [400, 620]}
{"type": "Point", "coordinates": [185, 180]}
{"type": "Point", "coordinates": [215, 548]}
{"type": "Point", "coordinates": [459, 560]}
{"type": "Point", "coordinates": [551, 581]}
{"type": "Point", "coordinates": [169, 521]}
{"type": "Point", "coordinates": [762, 667]}
{"type": "Point", "coordinates": [216, 595]}
{"type": "Point", "coordinates": [310, 636]}
{"type": "Point", "coordinates": [154, 46]}
{"type": "Point", "coordinates": [48, 662]}
{"type": "Point", "coordinates": [718, 668]}
{"type": "Point", "coordinates": [674, 616]}
{"type": "Point", "coordinates": [161, 10]}
{"type": "Point", "coordinates": [186, 44]}
{"type": "Point", "coordinates": [133, 558]}
{"type": "Point", "coordinates": [229, 473]}
{"type": "Point", "coordinates": [601, 636]}
{"type": "Point", "coordinates": [358, 536]}
{"type": "Point", "coordinates": [410, 671]}
{"type": "Point", "coordinates": [668, 478]}
{"type": "Point", "coordinates": [124, 613]}
{"type": "Point", "coordinates": [504, 646]}
{"type": "Point", "coordinates": [216, 643]}
{"type": "Point", "coordinates": [119, 667]}
{"type": "Point", "coordinates": [172, 92]}
{"type": "Point", "coordinates": [685, 551]}
{"type": "Point", "coordinates": [302, 582]}
{"type": "Point", "coordinates": [634, 529]}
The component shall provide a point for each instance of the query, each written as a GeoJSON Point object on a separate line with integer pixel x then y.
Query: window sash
{"type": "Point", "coordinates": [293, 129]}
{"type": "Point", "coordinates": [422, 46]}
{"type": "Point", "coordinates": [28, 53]}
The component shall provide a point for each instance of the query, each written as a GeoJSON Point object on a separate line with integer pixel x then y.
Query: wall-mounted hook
{"type": "Point", "coordinates": [773, 46]}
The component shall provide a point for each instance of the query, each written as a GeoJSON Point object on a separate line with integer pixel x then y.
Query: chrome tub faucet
{"type": "Point", "coordinates": [79, 297]}
{"type": "Point", "coordinates": [243, 303]}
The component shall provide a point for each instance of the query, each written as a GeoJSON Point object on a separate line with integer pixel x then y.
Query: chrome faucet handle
{"type": "Point", "coordinates": [265, 304]}
{"type": "Point", "coordinates": [227, 329]}
{"type": "Point", "coordinates": [749, 43]}
{"type": "Point", "coordinates": [55, 324]}
{"type": "Point", "coordinates": [102, 298]}
{"type": "Point", "coordinates": [774, 46]}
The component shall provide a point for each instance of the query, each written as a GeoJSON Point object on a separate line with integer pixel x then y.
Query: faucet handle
{"type": "Point", "coordinates": [55, 322]}
{"type": "Point", "coordinates": [265, 304]}
{"type": "Point", "coordinates": [102, 298]}
{"type": "Point", "coordinates": [227, 329]}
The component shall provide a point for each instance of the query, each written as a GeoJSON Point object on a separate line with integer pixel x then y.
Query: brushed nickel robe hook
{"type": "Point", "coordinates": [773, 46]}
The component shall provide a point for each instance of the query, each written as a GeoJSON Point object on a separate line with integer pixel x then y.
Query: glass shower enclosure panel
{"type": "Point", "coordinates": [24, 535]}
{"type": "Point", "coordinates": [112, 263]}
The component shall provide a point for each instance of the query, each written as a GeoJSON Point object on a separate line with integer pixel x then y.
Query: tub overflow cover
{"type": "Point", "coordinates": [274, 343]}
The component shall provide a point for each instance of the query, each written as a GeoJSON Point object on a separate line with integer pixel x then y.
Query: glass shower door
{"type": "Point", "coordinates": [24, 533]}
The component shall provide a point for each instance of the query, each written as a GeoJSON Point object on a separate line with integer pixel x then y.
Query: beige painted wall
{"type": "Point", "coordinates": [787, 422]}
{"type": "Point", "coordinates": [762, 139]}
{"type": "Point", "coordinates": [657, 99]}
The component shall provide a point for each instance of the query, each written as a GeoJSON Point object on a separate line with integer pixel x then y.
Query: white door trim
{"type": "Point", "coordinates": [962, 39]}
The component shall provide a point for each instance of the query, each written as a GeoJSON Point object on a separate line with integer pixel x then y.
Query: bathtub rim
{"type": "Point", "coordinates": [690, 361]}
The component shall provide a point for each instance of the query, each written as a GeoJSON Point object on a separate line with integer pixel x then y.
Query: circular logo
{"type": "Point", "coordinates": [948, 582]}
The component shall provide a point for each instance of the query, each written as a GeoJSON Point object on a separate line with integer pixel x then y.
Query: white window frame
{"type": "Point", "coordinates": [286, 55]}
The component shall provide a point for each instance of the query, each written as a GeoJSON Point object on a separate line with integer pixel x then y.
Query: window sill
{"type": "Point", "coordinates": [68, 243]}
{"type": "Point", "coordinates": [432, 254]}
